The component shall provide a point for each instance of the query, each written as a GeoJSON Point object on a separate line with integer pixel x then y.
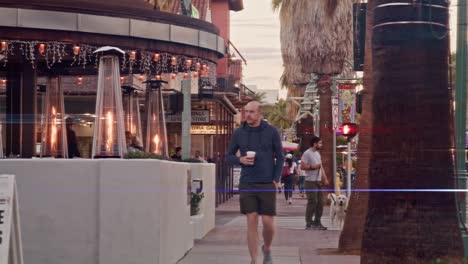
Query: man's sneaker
{"type": "Point", "coordinates": [319, 227]}
{"type": "Point", "coordinates": [267, 256]}
{"type": "Point", "coordinates": [290, 201]}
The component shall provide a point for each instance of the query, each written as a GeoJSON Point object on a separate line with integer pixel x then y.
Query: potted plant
{"type": "Point", "coordinates": [195, 203]}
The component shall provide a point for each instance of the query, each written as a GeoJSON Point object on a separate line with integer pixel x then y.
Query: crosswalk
{"type": "Point", "coordinates": [288, 222]}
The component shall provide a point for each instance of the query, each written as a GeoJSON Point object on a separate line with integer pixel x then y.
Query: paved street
{"type": "Point", "coordinates": [226, 244]}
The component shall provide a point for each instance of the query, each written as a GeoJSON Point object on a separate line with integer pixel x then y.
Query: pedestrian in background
{"type": "Point", "coordinates": [290, 171]}
{"type": "Point", "coordinates": [301, 178]}
{"type": "Point", "coordinates": [261, 159]}
{"type": "Point", "coordinates": [312, 165]}
{"type": "Point", "coordinates": [72, 142]}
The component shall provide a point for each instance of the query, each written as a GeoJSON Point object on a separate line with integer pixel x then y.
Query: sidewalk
{"type": "Point", "coordinates": [227, 244]}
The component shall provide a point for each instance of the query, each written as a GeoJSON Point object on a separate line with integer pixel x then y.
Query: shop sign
{"type": "Point", "coordinates": [346, 103]}
{"type": "Point", "coordinates": [198, 117]}
{"type": "Point", "coordinates": [205, 130]}
{"type": "Point", "coordinates": [335, 107]}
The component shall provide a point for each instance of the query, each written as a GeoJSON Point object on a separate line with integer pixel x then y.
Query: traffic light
{"type": "Point", "coordinates": [349, 130]}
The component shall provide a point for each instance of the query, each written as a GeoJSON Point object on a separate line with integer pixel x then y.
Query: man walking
{"type": "Point", "coordinates": [312, 165]}
{"type": "Point", "coordinates": [261, 159]}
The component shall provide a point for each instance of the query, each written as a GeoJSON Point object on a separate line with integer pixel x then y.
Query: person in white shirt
{"type": "Point", "coordinates": [301, 178]}
{"type": "Point", "coordinates": [288, 178]}
{"type": "Point", "coordinates": [312, 165]}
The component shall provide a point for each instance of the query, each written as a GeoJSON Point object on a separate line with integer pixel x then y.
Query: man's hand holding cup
{"type": "Point", "coordinates": [249, 159]}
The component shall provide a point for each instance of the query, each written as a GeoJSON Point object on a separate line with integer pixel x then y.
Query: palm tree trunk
{"type": "Point", "coordinates": [411, 143]}
{"type": "Point", "coordinates": [351, 236]}
{"type": "Point", "coordinates": [324, 85]}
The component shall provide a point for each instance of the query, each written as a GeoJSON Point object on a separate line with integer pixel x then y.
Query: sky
{"type": "Point", "coordinates": [255, 32]}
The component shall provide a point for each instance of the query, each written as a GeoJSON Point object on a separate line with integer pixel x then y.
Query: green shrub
{"type": "Point", "coordinates": [144, 155]}
{"type": "Point", "coordinates": [195, 202]}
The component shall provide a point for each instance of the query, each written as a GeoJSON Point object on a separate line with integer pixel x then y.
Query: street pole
{"type": "Point", "coordinates": [186, 118]}
{"type": "Point", "coordinates": [348, 176]}
{"type": "Point", "coordinates": [334, 97]}
{"type": "Point", "coordinates": [460, 113]}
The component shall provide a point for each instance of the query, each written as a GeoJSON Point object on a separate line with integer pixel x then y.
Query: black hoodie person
{"type": "Point", "coordinates": [259, 175]}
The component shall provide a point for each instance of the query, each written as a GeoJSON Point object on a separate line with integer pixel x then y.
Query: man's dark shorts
{"type": "Point", "coordinates": [257, 197]}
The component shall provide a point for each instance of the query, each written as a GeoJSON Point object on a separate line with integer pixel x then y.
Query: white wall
{"type": "Point", "coordinates": [102, 211]}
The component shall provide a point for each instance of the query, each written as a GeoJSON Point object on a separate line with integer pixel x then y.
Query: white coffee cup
{"type": "Point", "coordinates": [250, 154]}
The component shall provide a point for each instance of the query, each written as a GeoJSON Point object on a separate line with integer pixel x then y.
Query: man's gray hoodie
{"type": "Point", "coordinates": [266, 142]}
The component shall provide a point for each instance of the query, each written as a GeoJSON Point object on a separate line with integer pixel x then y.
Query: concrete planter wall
{"type": "Point", "coordinates": [204, 222]}
{"type": "Point", "coordinates": [103, 211]}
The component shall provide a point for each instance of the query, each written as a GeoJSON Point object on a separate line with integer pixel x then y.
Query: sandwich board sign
{"type": "Point", "coordinates": [10, 233]}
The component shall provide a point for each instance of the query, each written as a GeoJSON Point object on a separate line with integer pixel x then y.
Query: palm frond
{"type": "Point", "coordinates": [323, 30]}
{"type": "Point", "coordinates": [276, 4]}
{"type": "Point", "coordinates": [162, 5]}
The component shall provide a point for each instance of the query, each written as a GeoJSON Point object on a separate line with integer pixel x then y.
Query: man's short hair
{"type": "Point", "coordinates": [314, 140]}
{"type": "Point", "coordinates": [178, 149]}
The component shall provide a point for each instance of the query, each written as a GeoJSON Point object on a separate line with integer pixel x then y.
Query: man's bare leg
{"type": "Point", "coordinates": [252, 235]}
{"type": "Point", "coordinates": [268, 231]}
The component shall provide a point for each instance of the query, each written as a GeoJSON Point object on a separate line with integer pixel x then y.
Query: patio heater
{"type": "Point", "coordinates": [156, 135]}
{"type": "Point", "coordinates": [131, 108]}
{"type": "Point", "coordinates": [54, 134]}
{"type": "Point", "coordinates": [109, 137]}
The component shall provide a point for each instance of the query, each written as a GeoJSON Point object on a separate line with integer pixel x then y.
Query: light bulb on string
{"type": "Point", "coordinates": [156, 57]}
{"type": "Point", "coordinates": [174, 60]}
{"type": "Point", "coordinates": [76, 50]}
{"type": "Point", "coordinates": [42, 48]}
{"type": "Point", "coordinates": [4, 45]}
{"type": "Point", "coordinates": [158, 77]}
{"type": "Point", "coordinates": [188, 63]}
{"type": "Point", "coordinates": [133, 55]}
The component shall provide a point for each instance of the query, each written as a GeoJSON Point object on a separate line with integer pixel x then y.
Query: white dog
{"type": "Point", "coordinates": [338, 209]}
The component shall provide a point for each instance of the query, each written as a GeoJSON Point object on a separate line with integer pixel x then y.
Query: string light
{"type": "Point", "coordinates": [42, 47]}
{"type": "Point", "coordinates": [79, 81]}
{"type": "Point", "coordinates": [133, 55]}
{"type": "Point", "coordinates": [146, 62]}
{"type": "Point", "coordinates": [122, 79]}
{"type": "Point", "coordinates": [158, 77]}
{"type": "Point", "coordinates": [76, 50]}
{"type": "Point", "coordinates": [156, 57]}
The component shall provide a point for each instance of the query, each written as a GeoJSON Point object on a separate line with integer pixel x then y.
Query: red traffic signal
{"type": "Point", "coordinates": [349, 130]}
